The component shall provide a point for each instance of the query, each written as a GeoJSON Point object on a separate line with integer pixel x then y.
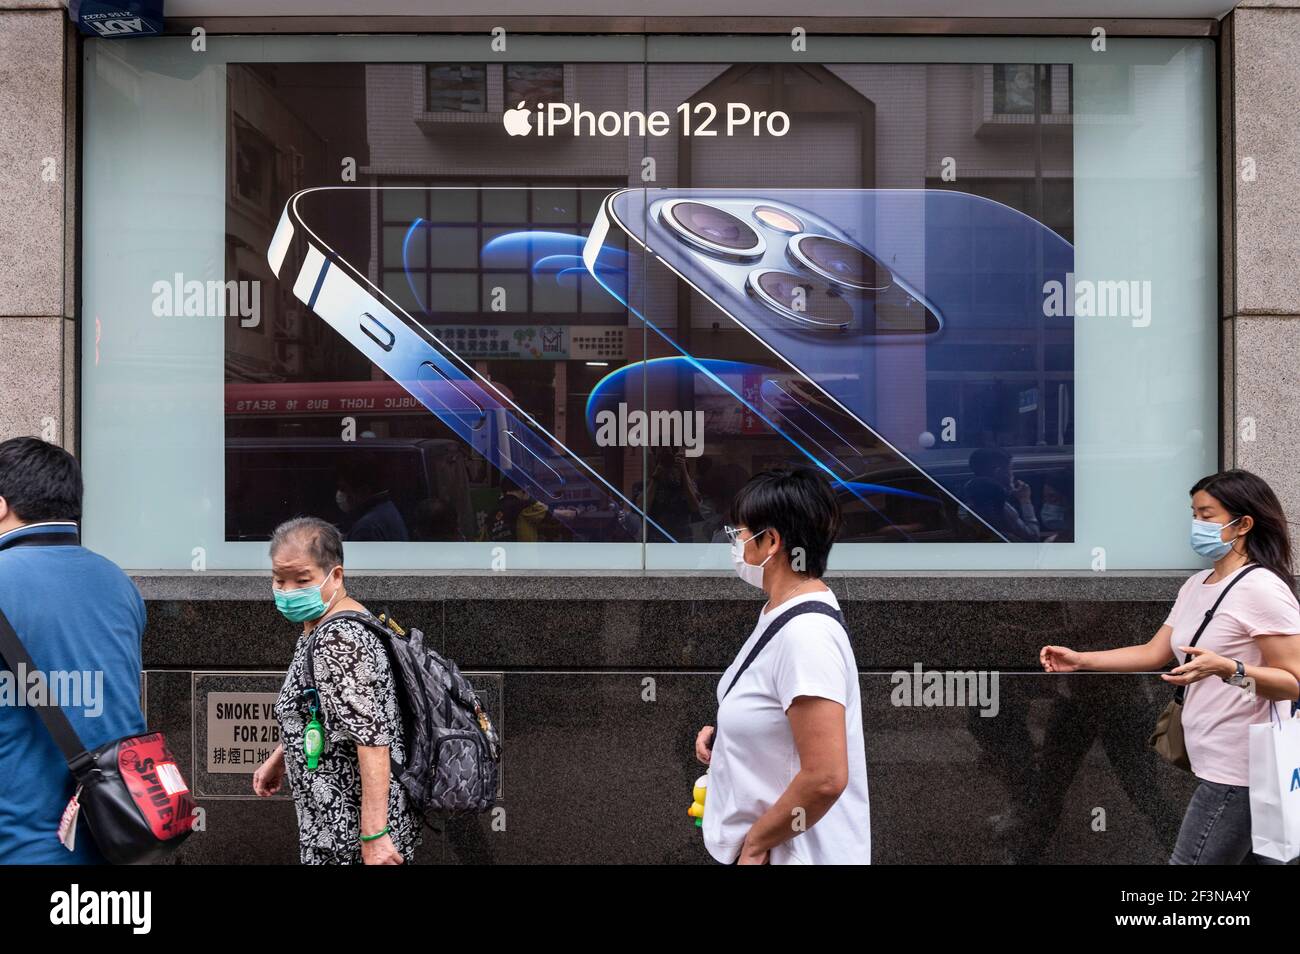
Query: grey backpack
{"type": "Point", "coordinates": [453, 754]}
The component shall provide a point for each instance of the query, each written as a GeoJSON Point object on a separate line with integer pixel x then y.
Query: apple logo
{"type": "Point", "coordinates": [518, 121]}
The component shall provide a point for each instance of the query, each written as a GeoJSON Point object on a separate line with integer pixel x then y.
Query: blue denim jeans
{"type": "Point", "coordinates": [1216, 828]}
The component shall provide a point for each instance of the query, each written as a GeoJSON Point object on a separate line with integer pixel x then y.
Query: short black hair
{"type": "Point", "coordinates": [986, 461]}
{"type": "Point", "coordinates": [360, 471]}
{"type": "Point", "coordinates": [39, 480]}
{"type": "Point", "coordinates": [797, 503]}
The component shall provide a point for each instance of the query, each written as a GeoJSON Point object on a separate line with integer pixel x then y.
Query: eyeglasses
{"type": "Point", "coordinates": [733, 534]}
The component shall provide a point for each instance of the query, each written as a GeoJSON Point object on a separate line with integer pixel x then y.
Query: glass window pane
{"type": "Point", "coordinates": [509, 290]}
{"type": "Point", "coordinates": [506, 204]}
{"type": "Point", "coordinates": [453, 247]}
{"type": "Point", "coordinates": [453, 205]}
{"type": "Point", "coordinates": [403, 205]}
{"type": "Point", "coordinates": [515, 255]}
{"type": "Point", "coordinates": [453, 293]}
{"type": "Point", "coordinates": [1136, 158]}
{"type": "Point", "coordinates": [398, 288]}
{"type": "Point", "coordinates": [552, 293]}
{"type": "Point", "coordinates": [456, 88]}
{"type": "Point", "coordinates": [555, 205]}
{"type": "Point", "coordinates": [1013, 88]}
{"type": "Point", "coordinates": [534, 83]}
{"type": "Point", "coordinates": [395, 239]}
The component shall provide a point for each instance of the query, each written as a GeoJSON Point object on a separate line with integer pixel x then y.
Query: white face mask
{"type": "Point", "coordinates": [751, 573]}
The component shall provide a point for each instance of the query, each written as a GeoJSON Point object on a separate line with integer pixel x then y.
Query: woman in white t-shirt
{"type": "Point", "coordinates": [1247, 658]}
{"type": "Point", "coordinates": [788, 763]}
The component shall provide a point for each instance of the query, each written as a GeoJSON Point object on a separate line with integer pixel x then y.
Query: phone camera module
{"type": "Point", "coordinates": [845, 265]}
{"type": "Point", "coordinates": [778, 219]}
{"type": "Point", "coordinates": [712, 229]}
{"type": "Point", "coordinates": [810, 303]}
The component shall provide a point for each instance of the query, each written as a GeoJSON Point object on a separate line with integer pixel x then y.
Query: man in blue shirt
{"type": "Point", "coordinates": [81, 619]}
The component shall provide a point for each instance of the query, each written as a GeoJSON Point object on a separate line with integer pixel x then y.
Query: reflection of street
{"type": "Point", "coordinates": [374, 488]}
{"type": "Point", "coordinates": [672, 501]}
{"type": "Point", "coordinates": [1081, 709]}
{"type": "Point", "coordinates": [611, 761]}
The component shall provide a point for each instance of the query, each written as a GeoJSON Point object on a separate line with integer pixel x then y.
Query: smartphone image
{"type": "Point", "coordinates": [318, 249]}
{"type": "Point", "coordinates": [850, 299]}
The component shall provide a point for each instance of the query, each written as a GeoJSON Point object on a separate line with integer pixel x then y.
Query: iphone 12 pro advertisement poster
{"type": "Point", "coordinates": [586, 302]}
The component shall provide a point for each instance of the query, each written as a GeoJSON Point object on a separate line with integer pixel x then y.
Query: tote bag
{"type": "Point", "coordinates": [1275, 787]}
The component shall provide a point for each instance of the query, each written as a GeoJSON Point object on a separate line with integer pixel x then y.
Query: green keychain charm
{"type": "Point", "coordinates": [313, 739]}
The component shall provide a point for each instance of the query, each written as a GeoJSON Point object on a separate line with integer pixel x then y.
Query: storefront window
{"type": "Point", "coordinates": [971, 281]}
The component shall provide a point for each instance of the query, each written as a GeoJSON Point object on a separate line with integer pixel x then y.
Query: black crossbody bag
{"type": "Point", "coordinates": [1167, 738]}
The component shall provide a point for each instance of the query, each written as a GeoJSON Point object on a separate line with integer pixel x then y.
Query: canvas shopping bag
{"type": "Point", "coordinates": [1275, 787]}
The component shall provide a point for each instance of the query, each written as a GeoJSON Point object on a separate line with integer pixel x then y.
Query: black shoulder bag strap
{"type": "Point", "coordinates": [56, 721]}
{"type": "Point", "coordinates": [1181, 691]}
{"type": "Point", "coordinates": [811, 606]}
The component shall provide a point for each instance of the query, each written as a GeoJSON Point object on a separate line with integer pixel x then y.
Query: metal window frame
{"type": "Point", "coordinates": [921, 26]}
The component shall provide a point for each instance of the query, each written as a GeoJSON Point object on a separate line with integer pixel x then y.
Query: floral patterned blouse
{"type": "Point", "coordinates": [359, 707]}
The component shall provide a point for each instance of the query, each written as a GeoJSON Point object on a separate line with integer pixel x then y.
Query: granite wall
{"type": "Point", "coordinates": [599, 684]}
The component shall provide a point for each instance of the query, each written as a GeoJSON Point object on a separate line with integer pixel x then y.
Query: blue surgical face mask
{"type": "Point", "coordinates": [1052, 516]}
{"type": "Point", "coordinates": [304, 603]}
{"type": "Point", "coordinates": [1206, 539]}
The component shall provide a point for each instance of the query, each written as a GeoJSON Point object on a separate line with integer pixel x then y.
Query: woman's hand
{"type": "Point", "coordinates": [749, 855]}
{"type": "Point", "coordinates": [1060, 659]}
{"type": "Point", "coordinates": [270, 774]}
{"type": "Point", "coordinates": [1024, 493]}
{"type": "Point", "coordinates": [702, 742]}
{"type": "Point", "coordinates": [1204, 664]}
{"type": "Point", "coordinates": [381, 851]}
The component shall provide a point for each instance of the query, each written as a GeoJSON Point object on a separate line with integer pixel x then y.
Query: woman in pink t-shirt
{"type": "Point", "coordinates": [1247, 658]}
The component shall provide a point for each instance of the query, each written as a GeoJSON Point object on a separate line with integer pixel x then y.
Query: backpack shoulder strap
{"type": "Point", "coordinates": [379, 625]}
{"type": "Point", "coordinates": [365, 619]}
{"type": "Point", "coordinates": [809, 606]}
{"type": "Point", "coordinates": [55, 719]}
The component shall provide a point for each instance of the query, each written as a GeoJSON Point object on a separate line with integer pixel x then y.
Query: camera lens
{"type": "Point", "coordinates": [712, 229]}
{"type": "Point", "coordinates": [846, 265]}
{"type": "Point", "coordinates": [778, 219]}
{"type": "Point", "coordinates": [800, 299]}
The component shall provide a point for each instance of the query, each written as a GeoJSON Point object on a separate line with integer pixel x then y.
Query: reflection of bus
{"type": "Point", "coordinates": [271, 479]}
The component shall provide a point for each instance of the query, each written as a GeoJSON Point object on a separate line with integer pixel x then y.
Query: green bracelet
{"type": "Point", "coordinates": [378, 834]}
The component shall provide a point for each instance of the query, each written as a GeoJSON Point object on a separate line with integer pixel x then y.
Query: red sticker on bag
{"type": "Point", "coordinates": [156, 785]}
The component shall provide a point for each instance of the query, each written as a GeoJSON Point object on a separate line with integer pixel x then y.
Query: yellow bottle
{"type": "Point", "coordinates": [696, 810]}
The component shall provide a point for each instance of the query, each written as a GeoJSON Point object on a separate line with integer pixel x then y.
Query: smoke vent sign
{"type": "Point", "coordinates": [242, 731]}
